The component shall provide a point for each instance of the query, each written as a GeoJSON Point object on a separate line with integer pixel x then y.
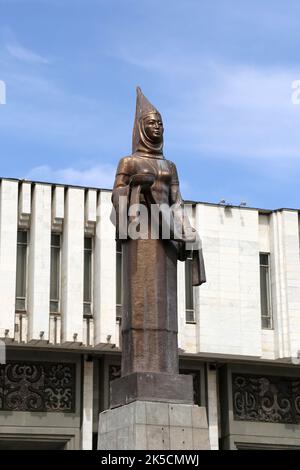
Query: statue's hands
{"type": "Point", "coordinates": [144, 179]}
{"type": "Point", "coordinates": [191, 236]}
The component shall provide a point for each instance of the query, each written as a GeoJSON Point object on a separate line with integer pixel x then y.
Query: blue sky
{"type": "Point", "coordinates": [220, 72]}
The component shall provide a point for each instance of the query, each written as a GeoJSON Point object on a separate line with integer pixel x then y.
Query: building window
{"type": "Point", "coordinates": [265, 291]}
{"type": "Point", "coordinates": [87, 276]}
{"type": "Point", "coordinates": [21, 273]}
{"type": "Point", "coordinates": [119, 280]}
{"type": "Point", "coordinates": [55, 273]}
{"type": "Point", "coordinates": [189, 291]}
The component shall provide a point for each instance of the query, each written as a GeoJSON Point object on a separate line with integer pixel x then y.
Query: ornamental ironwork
{"type": "Point", "coordinates": [196, 383]}
{"type": "Point", "coordinates": [43, 387]}
{"type": "Point", "coordinates": [114, 372]}
{"type": "Point", "coordinates": [269, 399]}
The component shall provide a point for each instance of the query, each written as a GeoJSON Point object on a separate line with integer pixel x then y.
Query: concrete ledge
{"type": "Point", "coordinates": [151, 387]}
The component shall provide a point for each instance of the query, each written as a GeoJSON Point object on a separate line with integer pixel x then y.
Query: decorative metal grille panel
{"type": "Point", "coordinates": [196, 383]}
{"type": "Point", "coordinates": [269, 399]}
{"type": "Point", "coordinates": [114, 372]}
{"type": "Point", "coordinates": [43, 387]}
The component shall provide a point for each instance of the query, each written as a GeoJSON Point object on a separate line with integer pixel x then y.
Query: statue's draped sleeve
{"type": "Point", "coordinates": [121, 195]}
{"type": "Point", "coordinates": [177, 202]}
{"type": "Point", "coordinates": [198, 268]}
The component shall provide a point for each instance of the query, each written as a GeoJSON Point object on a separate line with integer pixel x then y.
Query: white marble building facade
{"type": "Point", "coordinates": [58, 291]}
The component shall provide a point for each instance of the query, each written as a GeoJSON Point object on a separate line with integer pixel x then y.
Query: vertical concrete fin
{"type": "Point", "coordinates": [58, 207]}
{"type": "Point", "coordinates": [72, 266]}
{"type": "Point", "coordinates": [24, 204]}
{"type": "Point", "coordinates": [281, 271]}
{"type": "Point", "coordinates": [292, 266]}
{"type": "Point", "coordinates": [39, 264]}
{"type": "Point", "coordinates": [91, 206]}
{"type": "Point", "coordinates": [104, 273]}
{"type": "Point", "coordinates": [8, 255]}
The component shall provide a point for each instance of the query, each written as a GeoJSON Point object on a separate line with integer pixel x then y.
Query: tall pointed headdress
{"type": "Point", "coordinates": [140, 141]}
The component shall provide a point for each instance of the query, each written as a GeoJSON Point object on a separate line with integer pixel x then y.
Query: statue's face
{"type": "Point", "coordinates": [153, 127]}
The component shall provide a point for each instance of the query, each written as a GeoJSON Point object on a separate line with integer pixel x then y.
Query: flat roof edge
{"type": "Point", "coordinates": [187, 201]}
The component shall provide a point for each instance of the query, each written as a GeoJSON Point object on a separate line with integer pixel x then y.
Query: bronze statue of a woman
{"type": "Point", "coordinates": [149, 321]}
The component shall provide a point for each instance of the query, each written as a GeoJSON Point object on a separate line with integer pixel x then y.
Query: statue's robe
{"type": "Point", "coordinates": [149, 321]}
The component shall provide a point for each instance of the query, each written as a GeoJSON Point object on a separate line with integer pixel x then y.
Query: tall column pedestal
{"type": "Point", "coordinates": [147, 425]}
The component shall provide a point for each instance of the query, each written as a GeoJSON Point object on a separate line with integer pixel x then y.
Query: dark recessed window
{"type": "Point", "coordinates": [265, 291]}
{"type": "Point", "coordinates": [55, 273]}
{"type": "Point", "coordinates": [189, 292]}
{"type": "Point", "coordinates": [21, 272]}
{"type": "Point", "coordinates": [88, 276]}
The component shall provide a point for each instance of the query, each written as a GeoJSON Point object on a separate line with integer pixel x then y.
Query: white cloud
{"type": "Point", "coordinates": [42, 110]}
{"type": "Point", "coordinates": [98, 176]}
{"type": "Point", "coordinates": [16, 50]}
{"type": "Point", "coordinates": [242, 112]}
{"type": "Point", "coordinates": [210, 108]}
{"type": "Point", "coordinates": [21, 53]}
{"type": "Point", "coordinates": [228, 110]}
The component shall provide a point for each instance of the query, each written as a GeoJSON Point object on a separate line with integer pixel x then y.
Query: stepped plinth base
{"type": "Point", "coordinates": [148, 425]}
{"type": "Point", "coordinates": [157, 387]}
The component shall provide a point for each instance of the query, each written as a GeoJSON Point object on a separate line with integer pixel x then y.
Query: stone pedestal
{"type": "Point", "coordinates": [147, 386]}
{"type": "Point", "coordinates": [145, 425]}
